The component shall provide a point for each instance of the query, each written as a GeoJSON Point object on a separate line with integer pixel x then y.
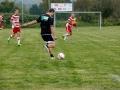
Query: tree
{"type": "Point", "coordinates": [6, 6]}
{"type": "Point", "coordinates": [116, 9]}
{"type": "Point", "coordinates": [83, 5]}
{"type": "Point", "coordinates": [105, 6]}
{"type": "Point", "coordinates": [34, 9]}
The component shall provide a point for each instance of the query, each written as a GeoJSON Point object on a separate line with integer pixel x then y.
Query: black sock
{"type": "Point", "coordinates": [51, 55]}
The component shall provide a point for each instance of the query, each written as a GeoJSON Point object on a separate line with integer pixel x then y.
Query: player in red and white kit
{"type": "Point", "coordinates": [1, 22]}
{"type": "Point", "coordinates": [73, 20]}
{"type": "Point", "coordinates": [69, 25]}
{"type": "Point", "coordinates": [15, 21]}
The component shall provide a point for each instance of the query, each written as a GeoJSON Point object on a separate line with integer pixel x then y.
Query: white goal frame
{"type": "Point", "coordinates": [94, 12]}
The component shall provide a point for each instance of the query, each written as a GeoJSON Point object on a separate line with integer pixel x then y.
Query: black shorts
{"type": "Point", "coordinates": [47, 38]}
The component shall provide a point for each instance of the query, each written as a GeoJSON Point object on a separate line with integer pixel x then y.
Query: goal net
{"type": "Point", "coordinates": [82, 18]}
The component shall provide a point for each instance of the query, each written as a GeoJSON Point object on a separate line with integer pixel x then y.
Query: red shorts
{"type": "Point", "coordinates": [68, 28]}
{"type": "Point", "coordinates": [16, 30]}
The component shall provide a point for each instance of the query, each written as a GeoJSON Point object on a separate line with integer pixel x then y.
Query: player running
{"type": "Point", "coordinates": [47, 30]}
{"type": "Point", "coordinates": [15, 21]}
{"type": "Point", "coordinates": [1, 22]}
{"type": "Point", "coordinates": [69, 25]}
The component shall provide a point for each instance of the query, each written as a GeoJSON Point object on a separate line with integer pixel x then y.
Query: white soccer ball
{"type": "Point", "coordinates": [61, 56]}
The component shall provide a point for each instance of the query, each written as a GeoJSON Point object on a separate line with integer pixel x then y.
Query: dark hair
{"type": "Point", "coordinates": [16, 9]}
{"type": "Point", "coordinates": [51, 10]}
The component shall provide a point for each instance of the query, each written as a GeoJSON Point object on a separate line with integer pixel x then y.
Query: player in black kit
{"type": "Point", "coordinates": [47, 30]}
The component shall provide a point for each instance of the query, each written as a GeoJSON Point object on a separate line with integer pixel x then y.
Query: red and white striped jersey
{"type": "Point", "coordinates": [15, 20]}
{"type": "Point", "coordinates": [71, 18]}
{"type": "Point", "coordinates": [1, 18]}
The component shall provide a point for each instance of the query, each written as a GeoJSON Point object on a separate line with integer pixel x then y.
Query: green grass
{"type": "Point", "coordinates": [92, 61]}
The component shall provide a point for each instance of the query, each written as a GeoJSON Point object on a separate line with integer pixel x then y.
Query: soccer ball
{"type": "Point", "coordinates": [61, 56]}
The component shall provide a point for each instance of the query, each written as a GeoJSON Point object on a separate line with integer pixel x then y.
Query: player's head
{"type": "Point", "coordinates": [16, 12]}
{"type": "Point", "coordinates": [51, 12]}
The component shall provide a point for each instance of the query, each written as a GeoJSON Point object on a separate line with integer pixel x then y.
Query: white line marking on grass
{"type": "Point", "coordinates": [115, 77]}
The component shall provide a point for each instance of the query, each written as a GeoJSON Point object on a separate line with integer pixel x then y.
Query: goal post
{"type": "Point", "coordinates": [71, 12]}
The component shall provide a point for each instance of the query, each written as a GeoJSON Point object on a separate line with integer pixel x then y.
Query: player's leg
{"type": "Point", "coordinates": [50, 44]}
{"type": "Point", "coordinates": [12, 35]}
{"type": "Point", "coordinates": [18, 36]}
{"type": "Point", "coordinates": [68, 32]}
{"type": "Point", "coordinates": [66, 35]}
{"type": "Point", "coordinates": [18, 39]}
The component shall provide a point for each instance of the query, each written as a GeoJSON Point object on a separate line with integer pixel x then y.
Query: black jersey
{"type": "Point", "coordinates": [46, 22]}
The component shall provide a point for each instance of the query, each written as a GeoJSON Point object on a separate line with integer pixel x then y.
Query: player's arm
{"type": "Point", "coordinates": [38, 20]}
{"type": "Point", "coordinates": [29, 23]}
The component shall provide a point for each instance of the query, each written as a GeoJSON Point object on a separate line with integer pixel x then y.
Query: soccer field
{"type": "Point", "coordinates": [92, 61]}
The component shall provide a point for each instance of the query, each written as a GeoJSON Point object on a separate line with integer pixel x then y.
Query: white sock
{"type": "Point", "coordinates": [65, 37]}
{"type": "Point", "coordinates": [18, 39]}
{"type": "Point", "coordinates": [10, 37]}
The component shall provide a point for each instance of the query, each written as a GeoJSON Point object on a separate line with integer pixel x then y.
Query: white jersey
{"type": "Point", "coordinates": [15, 20]}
